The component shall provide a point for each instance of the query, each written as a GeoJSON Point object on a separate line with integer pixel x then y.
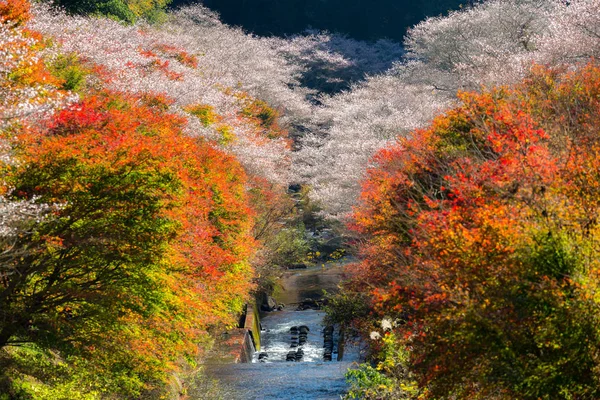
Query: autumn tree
{"type": "Point", "coordinates": [147, 229]}
{"type": "Point", "coordinates": [481, 243]}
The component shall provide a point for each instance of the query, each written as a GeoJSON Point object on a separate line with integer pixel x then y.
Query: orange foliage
{"type": "Point", "coordinates": [178, 54]}
{"type": "Point", "coordinates": [163, 66]}
{"type": "Point", "coordinates": [27, 86]}
{"type": "Point", "coordinates": [476, 233]}
{"type": "Point", "coordinates": [201, 275]}
{"type": "Point", "coordinates": [14, 12]}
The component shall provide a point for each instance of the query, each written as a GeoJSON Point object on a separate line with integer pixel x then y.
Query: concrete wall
{"type": "Point", "coordinates": [238, 345]}
{"type": "Point", "coordinates": [252, 323]}
{"type": "Point", "coordinates": [232, 347]}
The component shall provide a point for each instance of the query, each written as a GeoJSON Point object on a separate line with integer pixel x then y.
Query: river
{"type": "Point", "coordinates": [311, 378]}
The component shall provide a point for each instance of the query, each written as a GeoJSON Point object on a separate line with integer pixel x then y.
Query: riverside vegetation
{"type": "Point", "coordinates": [160, 168]}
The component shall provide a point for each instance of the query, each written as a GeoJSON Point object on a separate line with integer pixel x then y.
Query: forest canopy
{"type": "Point", "coordinates": [156, 175]}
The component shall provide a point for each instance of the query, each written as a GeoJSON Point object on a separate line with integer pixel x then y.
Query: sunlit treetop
{"type": "Point", "coordinates": [14, 12]}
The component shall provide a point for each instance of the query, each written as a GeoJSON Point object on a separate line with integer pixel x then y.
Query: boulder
{"type": "Point", "coordinates": [265, 308]}
{"type": "Point", "coordinates": [271, 303]}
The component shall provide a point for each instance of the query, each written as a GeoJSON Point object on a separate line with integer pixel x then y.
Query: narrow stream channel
{"type": "Point", "coordinates": [310, 378]}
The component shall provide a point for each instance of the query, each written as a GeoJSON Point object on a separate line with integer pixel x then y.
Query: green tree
{"type": "Point", "coordinates": [124, 10]}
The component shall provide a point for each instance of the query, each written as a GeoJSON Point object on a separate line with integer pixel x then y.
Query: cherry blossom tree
{"type": "Point", "coordinates": [195, 60]}
{"type": "Point", "coordinates": [573, 33]}
{"type": "Point", "coordinates": [490, 44]}
{"type": "Point", "coordinates": [358, 123]}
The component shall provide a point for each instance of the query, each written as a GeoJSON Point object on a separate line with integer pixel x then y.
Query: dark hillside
{"type": "Point", "coordinates": [360, 19]}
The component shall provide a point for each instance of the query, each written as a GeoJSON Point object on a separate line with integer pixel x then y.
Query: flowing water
{"type": "Point", "coordinates": [274, 378]}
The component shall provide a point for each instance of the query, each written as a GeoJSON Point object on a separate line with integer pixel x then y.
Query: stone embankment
{"type": "Point", "coordinates": [238, 345]}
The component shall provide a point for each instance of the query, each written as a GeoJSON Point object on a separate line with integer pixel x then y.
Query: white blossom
{"type": "Point", "coordinates": [229, 62]}
{"type": "Point", "coordinates": [15, 214]}
{"type": "Point", "coordinates": [494, 43]}
{"type": "Point", "coordinates": [386, 324]}
{"type": "Point", "coordinates": [379, 92]}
